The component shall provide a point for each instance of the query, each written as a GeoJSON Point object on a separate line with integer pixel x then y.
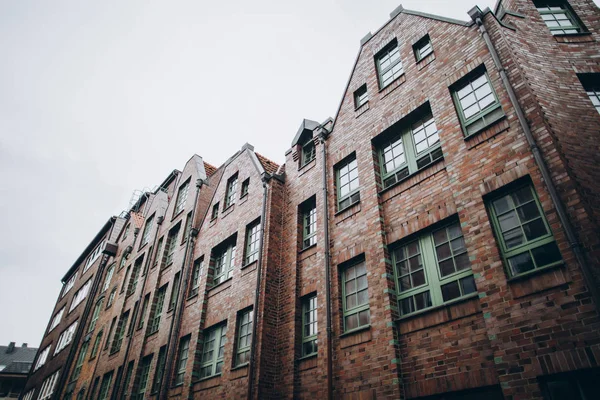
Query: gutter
{"type": "Point", "coordinates": [265, 179]}
{"type": "Point", "coordinates": [476, 15]}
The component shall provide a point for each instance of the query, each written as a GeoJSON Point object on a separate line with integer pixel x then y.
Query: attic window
{"type": "Point", "coordinates": [361, 96]}
{"type": "Point", "coordinates": [423, 48]}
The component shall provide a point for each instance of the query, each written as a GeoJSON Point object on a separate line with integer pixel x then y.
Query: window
{"type": "Point", "coordinates": [94, 255]}
{"type": "Point", "coordinates": [526, 242]}
{"type": "Point", "coordinates": [252, 242]}
{"type": "Point", "coordinates": [245, 187]}
{"type": "Point", "coordinates": [175, 291]}
{"type": "Point", "coordinates": [308, 214]}
{"type": "Point", "coordinates": [422, 48]}
{"type": "Point", "coordinates": [244, 338]}
{"type": "Point", "coordinates": [309, 325]}
{"type": "Point", "coordinates": [591, 84]}
{"type": "Point", "coordinates": [128, 376]}
{"type": "Point", "coordinates": [135, 274]}
{"type": "Point", "coordinates": [230, 193]}
{"type": "Point", "coordinates": [308, 152]}
{"type": "Point", "coordinates": [157, 311]}
{"type": "Point", "coordinates": [182, 195]}
{"type": "Point", "coordinates": [170, 247]}
{"type": "Point", "coordinates": [93, 392]}
{"type": "Point", "coordinates": [476, 101]}
{"type": "Point", "coordinates": [42, 358]}
{"type": "Point", "coordinates": [111, 297]}
{"type": "Point", "coordinates": [346, 175]}
{"type": "Point", "coordinates": [576, 385]}
{"type": "Point", "coordinates": [432, 269]}
{"type": "Point", "coordinates": [144, 310]}
{"type": "Point", "coordinates": [389, 64]}
{"type": "Point", "coordinates": [355, 296]}
{"type": "Point", "coordinates": [110, 332]}
{"type": "Point", "coordinates": [96, 345]}
{"type": "Point", "coordinates": [80, 360]}
{"type": "Point", "coordinates": [126, 232]}
{"type": "Point", "coordinates": [408, 146]}
{"type": "Point", "coordinates": [224, 257]}
{"type": "Point", "coordinates": [147, 230]}
{"type": "Point", "coordinates": [81, 394]}
{"type": "Point", "coordinates": [70, 283]}
{"type": "Point", "coordinates": [196, 273]}
{"type": "Point", "coordinates": [123, 260]}
{"type": "Point", "coordinates": [182, 358]}
{"type": "Point", "coordinates": [96, 314]}
{"type": "Point", "coordinates": [361, 96]}
{"type": "Point", "coordinates": [29, 395]}
{"type": "Point", "coordinates": [215, 211]}
{"type": "Point", "coordinates": [143, 378]}
{"type": "Point", "coordinates": [105, 386]}
{"type": "Point", "coordinates": [125, 279]}
{"type": "Point", "coordinates": [80, 295]}
{"type": "Point", "coordinates": [120, 333]}
{"type": "Point", "coordinates": [187, 227]}
{"type": "Point", "coordinates": [213, 348]}
{"type": "Point", "coordinates": [65, 338]}
{"type": "Point", "coordinates": [109, 274]}
{"type": "Point", "coordinates": [48, 386]}
{"type": "Point", "coordinates": [559, 17]}
{"type": "Point", "coordinates": [158, 249]}
{"type": "Point", "coordinates": [160, 369]}
{"type": "Point", "coordinates": [57, 318]}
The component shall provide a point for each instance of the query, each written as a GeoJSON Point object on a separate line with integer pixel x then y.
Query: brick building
{"type": "Point", "coordinates": [439, 238]}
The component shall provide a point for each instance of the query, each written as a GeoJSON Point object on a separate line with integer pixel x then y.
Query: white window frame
{"type": "Point", "coordinates": [69, 284]}
{"type": "Point", "coordinates": [66, 337]}
{"type": "Point", "coordinates": [42, 358]}
{"type": "Point", "coordinates": [48, 386]}
{"type": "Point", "coordinates": [57, 318]}
{"type": "Point", "coordinates": [80, 295]}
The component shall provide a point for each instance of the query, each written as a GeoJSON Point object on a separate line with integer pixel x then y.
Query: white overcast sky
{"type": "Point", "coordinates": [100, 98]}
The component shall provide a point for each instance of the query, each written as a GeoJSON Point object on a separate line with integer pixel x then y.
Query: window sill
{"type": "Point", "coordinates": [227, 211]}
{"type": "Point", "coordinates": [537, 271]}
{"type": "Point", "coordinates": [226, 284]}
{"type": "Point", "coordinates": [248, 265]}
{"type": "Point", "coordinates": [539, 280]}
{"type": "Point", "coordinates": [209, 378]}
{"type": "Point", "coordinates": [192, 297]}
{"type": "Point", "coordinates": [244, 365]}
{"type": "Point", "coordinates": [307, 357]}
{"type": "Point", "coordinates": [142, 246]}
{"type": "Point", "coordinates": [356, 330]}
{"type": "Point", "coordinates": [485, 127]}
{"type": "Point", "coordinates": [307, 362]}
{"type": "Point", "coordinates": [425, 61]}
{"type": "Point", "coordinates": [152, 333]}
{"type": "Point", "coordinates": [393, 85]}
{"type": "Point", "coordinates": [414, 175]}
{"type": "Point", "coordinates": [307, 167]}
{"type": "Point", "coordinates": [307, 248]}
{"type": "Point", "coordinates": [355, 337]}
{"type": "Point", "coordinates": [174, 217]}
{"type": "Point", "coordinates": [444, 313]}
{"type": "Point", "coordinates": [346, 208]}
{"type": "Point", "coordinates": [582, 37]}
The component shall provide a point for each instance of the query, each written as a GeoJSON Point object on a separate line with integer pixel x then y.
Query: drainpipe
{"type": "Point", "coordinates": [178, 312]}
{"type": "Point", "coordinates": [323, 135]}
{"type": "Point", "coordinates": [265, 179]}
{"type": "Point", "coordinates": [116, 393]}
{"type": "Point", "coordinates": [476, 15]}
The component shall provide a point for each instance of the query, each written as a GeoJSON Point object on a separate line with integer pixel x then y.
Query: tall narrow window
{"type": "Point", "coordinates": [433, 269]}
{"type": "Point", "coordinates": [143, 311]}
{"type": "Point", "coordinates": [213, 348]}
{"type": "Point", "coordinates": [96, 345]}
{"type": "Point", "coordinates": [361, 96]}
{"type": "Point", "coordinates": [160, 369]}
{"type": "Point", "coordinates": [196, 274]}
{"type": "Point", "coordinates": [48, 386]}
{"type": "Point", "coordinates": [80, 295]}
{"type": "Point", "coordinates": [245, 187]}
{"type": "Point", "coordinates": [127, 380]}
{"type": "Point", "coordinates": [215, 211]}
{"type": "Point", "coordinates": [187, 227]}
{"type": "Point", "coordinates": [157, 311]}
{"type": "Point", "coordinates": [308, 152]}
{"type": "Point", "coordinates": [171, 246]}
{"type": "Point", "coordinates": [559, 17]}
{"type": "Point", "coordinates": [110, 332]}
{"type": "Point", "coordinates": [41, 360]}
{"type": "Point", "coordinates": [80, 360]}
{"type": "Point", "coordinates": [96, 314]}
{"type": "Point", "coordinates": [252, 242]}
{"type": "Point", "coordinates": [135, 274]}
{"type": "Point", "coordinates": [224, 258]}
{"type": "Point", "coordinates": [355, 296]}
{"type": "Point", "coordinates": [309, 325]}
{"type": "Point", "coordinates": [66, 337]}
{"type": "Point", "coordinates": [111, 297]}
{"type": "Point", "coordinates": [182, 195]}
{"type": "Point", "coordinates": [525, 238]}
{"type": "Point", "coordinates": [244, 338]}
{"type": "Point", "coordinates": [182, 357]}
{"type": "Point", "coordinates": [57, 318]}
{"type": "Point", "coordinates": [591, 84]}
{"type": "Point", "coordinates": [120, 333]}
{"type": "Point", "coordinates": [126, 232]}
{"type": "Point", "coordinates": [125, 278]}
{"type": "Point", "coordinates": [144, 373]}
{"type": "Point", "coordinates": [175, 291]}
{"type": "Point", "coordinates": [108, 278]}
{"type": "Point", "coordinates": [147, 230]}
{"type": "Point", "coordinates": [389, 64]}
{"type": "Point", "coordinates": [308, 215]}
{"type": "Point", "coordinates": [346, 174]}
{"type": "Point", "coordinates": [230, 191]}
{"type": "Point", "coordinates": [158, 252]}
{"type": "Point", "coordinates": [105, 386]}
{"type": "Point", "coordinates": [70, 283]}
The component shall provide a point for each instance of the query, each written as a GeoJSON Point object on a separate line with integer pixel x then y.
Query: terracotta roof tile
{"type": "Point", "coordinates": [269, 166]}
{"type": "Point", "coordinates": [210, 169]}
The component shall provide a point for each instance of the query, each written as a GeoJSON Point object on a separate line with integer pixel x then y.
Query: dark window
{"type": "Point", "coordinates": [215, 211]}
{"type": "Point", "coordinates": [245, 187]}
{"type": "Point", "coordinates": [361, 96]}
{"type": "Point", "coordinates": [591, 84]}
{"type": "Point", "coordinates": [196, 274]}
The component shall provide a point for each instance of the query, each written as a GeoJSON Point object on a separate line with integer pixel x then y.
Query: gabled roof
{"type": "Point", "coordinates": [270, 167]}
{"type": "Point", "coordinates": [17, 361]}
{"type": "Point", "coordinates": [306, 126]}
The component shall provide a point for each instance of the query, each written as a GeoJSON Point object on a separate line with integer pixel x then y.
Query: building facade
{"type": "Point", "coordinates": [15, 363]}
{"type": "Point", "coordinates": [438, 239]}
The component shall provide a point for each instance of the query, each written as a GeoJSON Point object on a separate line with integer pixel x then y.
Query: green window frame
{"type": "Point", "coordinates": [389, 64]}
{"type": "Point", "coordinates": [187, 228]}
{"type": "Point", "coordinates": [347, 184]}
{"type": "Point", "coordinates": [309, 152]}
{"type": "Point", "coordinates": [135, 275]}
{"type": "Point", "coordinates": [96, 315]}
{"type": "Point", "coordinates": [520, 225]}
{"type": "Point", "coordinates": [158, 250]}
{"type": "Point", "coordinates": [308, 211]}
{"type": "Point", "coordinates": [196, 273]}
{"type": "Point", "coordinates": [127, 380]}
{"type": "Point", "coordinates": [111, 297]}
{"type": "Point", "coordinates": [361, 96]}
{"type": "Point", "coordinates": [432, 269]}
{"type": "Point", "coordinates": [309, 326]}
{"type": "Point", "coordinates": [120, 333]}
{"type": "Point", "coordinates": [147, 230]}
{"type": "Point", "coordinates": [143, 311]}
{"type": "Point", "coordinates": [105, 386]}
{"type": "Point", "coordinates": [108, 277]}
{"type": "Point", "coordinates": [410, 146]}
{"type": "Point", "coordinates": [423, 48]}
{"type": "Point", "coordinates": [182, 195]}
{"type": "Point", "coordinates": [80, 360]}
{"type": "Point", "coordinates": [96, 345]}
{"type": "Point", "coordinates": [223, 259]}
{"type": "Point", "coordinates": [175, 291]}
{"type": "Point", "coordinates": [591, 85]}
{"type": "Point", "coordinates": [157, 310]}
{"type": "Point", "coordinates": [170, 246]}
{"type": "Point", "coordinates": [182, 357]}
{"type": "Point", "coordinates": [355, 296]}
{"type": "Point", "coordinates": [476, 101]}
{"type": "Point", "coordinates": [252, 242]}
{"type": "Point", "coordinates": [160, 369]}
{"type": "Point", "coordinates": [245, 187]}
{"type": "Point", "coordinates": [244, 338]}
{"type": "Point", "coordinates": [215, 211]}
{"type": "Point", "coordinates": [213, 349]}
{"type": "Point", "coordinates": [143, 379]}
{"type": "Point", "coordinates": [126, 232]}
{"type": "Point", "coordinates": [230, 191]}
{"type": "Point", "coordinates": [558, 17]}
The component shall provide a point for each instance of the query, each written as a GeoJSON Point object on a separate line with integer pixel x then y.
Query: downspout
{"type": "Point", "coordinates": [323, 135]}
{"type": "Point", "coordinates": [476, 15]}
{"type": "Point", "coordinates": [115, 394]}
{"type": "Point", "coordinates": [265, 178]}
{"type": "Point", "coordinates": [163, 385]}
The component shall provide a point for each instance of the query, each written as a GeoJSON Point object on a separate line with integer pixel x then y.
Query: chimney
{"type": "Point", "coordinates": [24, 345]}
{"type": "Point", "coordinates": [11, 348]}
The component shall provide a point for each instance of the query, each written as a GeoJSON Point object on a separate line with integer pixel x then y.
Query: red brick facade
{"type": "Point", "coordinates": [506, 334]}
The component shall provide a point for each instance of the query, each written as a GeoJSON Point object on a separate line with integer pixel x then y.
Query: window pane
{"type": "Point", "coordinates": [547, 254]}
{"type": "Point", "coordinates": [450, 291]}
{"type": "Point", "coordinates": [521, 263]}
